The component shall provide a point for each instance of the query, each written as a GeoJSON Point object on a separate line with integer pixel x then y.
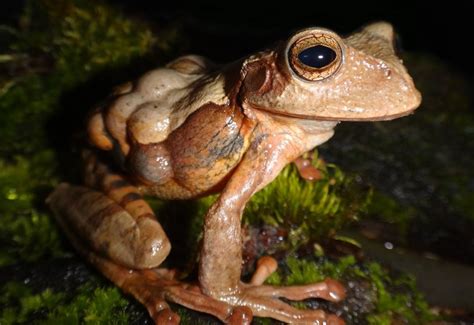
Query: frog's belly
{"type": "Point", "coordinates": [204, 151]}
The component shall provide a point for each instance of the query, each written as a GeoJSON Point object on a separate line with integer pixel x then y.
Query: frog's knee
{"type": "Point", "coordinates": [151, 246]}
{"type": "Point", "coordinates": [138, 244]}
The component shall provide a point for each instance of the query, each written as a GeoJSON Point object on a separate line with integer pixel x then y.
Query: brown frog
{"type": "Point", "coordinates": [193, 128]}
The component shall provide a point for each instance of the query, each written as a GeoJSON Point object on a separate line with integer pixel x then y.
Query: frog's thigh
{"type": "Point", "coordinates": [119, 231]}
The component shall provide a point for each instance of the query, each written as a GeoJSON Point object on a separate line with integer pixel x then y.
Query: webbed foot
{"type": "Point", "coordinates": [264, 299]}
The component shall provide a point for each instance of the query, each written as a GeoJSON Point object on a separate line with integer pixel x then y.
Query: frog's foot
{"type": "Point", "coordinates": [264, 299]}
{"type": "Point", "coordinates": [306, 170]}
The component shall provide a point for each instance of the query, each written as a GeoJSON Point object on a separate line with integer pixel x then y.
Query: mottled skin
{"type": "Point", "coordinates": [194, 128]}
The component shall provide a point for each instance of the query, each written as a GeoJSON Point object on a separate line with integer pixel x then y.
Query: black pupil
{"type": "Point", "coordinates": [317, 56]}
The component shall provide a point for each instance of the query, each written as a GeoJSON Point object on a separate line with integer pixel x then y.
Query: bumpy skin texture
{"type": "Point", "coordinates": [194, 128]}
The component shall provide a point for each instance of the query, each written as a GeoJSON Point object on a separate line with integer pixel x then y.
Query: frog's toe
{"type": "Point", "coordinates": [306, 170]}
{"type": "Point", "coordinates": [264, 306]}
{"type": "Point", "coordinates": [335, 291]}
{"type": "Point", "coordinates": [240, 316]}
{"type": "Point", "coordinates": [164, 316]}
{"type": "Point", "coordinates": [266, 265]}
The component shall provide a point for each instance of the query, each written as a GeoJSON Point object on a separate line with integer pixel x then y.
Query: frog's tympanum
{"type": "Point", "coordinates": [193, 128]}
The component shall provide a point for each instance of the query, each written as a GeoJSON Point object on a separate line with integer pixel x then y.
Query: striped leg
{"type": "Point", "coordinates": [133, 240]}
{"type": "Point", "coordinates": [109, 223]}
{"type": "Point", "coordinates": [99, 176]}
{"type": "Point", "coordinates": [98, 227]}
{"type": "Point", "coordinates": [111, 217]}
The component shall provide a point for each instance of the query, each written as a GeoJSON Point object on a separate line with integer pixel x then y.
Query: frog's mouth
{"type": "Point", "coordinates": [327, 118]}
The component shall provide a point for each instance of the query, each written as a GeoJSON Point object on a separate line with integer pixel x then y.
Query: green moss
{"type": "Point", "coordinates": [409, 306]}
{"type": "Point", "coordinates": [27, 232]}
{"type": "Point", "coordinates": [28, 237]}
{"type": "Point", "coordinates": [90, 305]}
{"type": "Point", "coordinates": [310, 210]}
{"type": "Point", "coordinates": [21, 303]}
{"type": "Point", "coordinates": [21, 178]}
{"type": "Point", "coordinates": [301, 271]}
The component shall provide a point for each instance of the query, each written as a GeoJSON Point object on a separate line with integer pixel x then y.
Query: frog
{"type": "Point", "coordinates": [193, 128]}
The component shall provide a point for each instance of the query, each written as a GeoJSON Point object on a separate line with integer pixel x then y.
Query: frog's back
{"type": "Point", "coordinates": [175, 129]}
{"type": "Point", "coordinates": [149, 109]}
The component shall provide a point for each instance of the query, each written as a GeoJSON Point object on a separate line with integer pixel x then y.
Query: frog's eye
{"type": "Point", "coordinates": [315, 56]}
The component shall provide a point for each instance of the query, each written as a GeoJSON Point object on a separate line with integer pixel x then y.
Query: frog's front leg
{"type": "Point", "coordinates": [221, 259]}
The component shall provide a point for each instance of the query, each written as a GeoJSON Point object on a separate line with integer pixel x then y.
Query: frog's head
{"type": "Point", "coordinates": [317, 74]}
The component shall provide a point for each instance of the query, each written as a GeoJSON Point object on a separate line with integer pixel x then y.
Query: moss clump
{"type": "Point", "coordinates": [310, 210]}
{"type": "Point", "coordinates": [22, 178]}
{"type": "Point", "coordinates": [27, 237]}
{"type": "Point", "coordinates": [408, 306]}
{"type": "Point", "coordinates": [396, 297]}
{"type": "Point", "coordinates": [90, 305]}
{"type": "Point", "coordinates": [27, 232]}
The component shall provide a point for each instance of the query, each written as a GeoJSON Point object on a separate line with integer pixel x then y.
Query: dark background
{"type": "Point", "coordinates": [225, 30]}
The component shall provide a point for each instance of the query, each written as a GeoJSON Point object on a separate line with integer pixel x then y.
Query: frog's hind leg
{"type": "Point", "coordinates": [91, 218]}
{"type": "Point", "coordinates": [118, 233]}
